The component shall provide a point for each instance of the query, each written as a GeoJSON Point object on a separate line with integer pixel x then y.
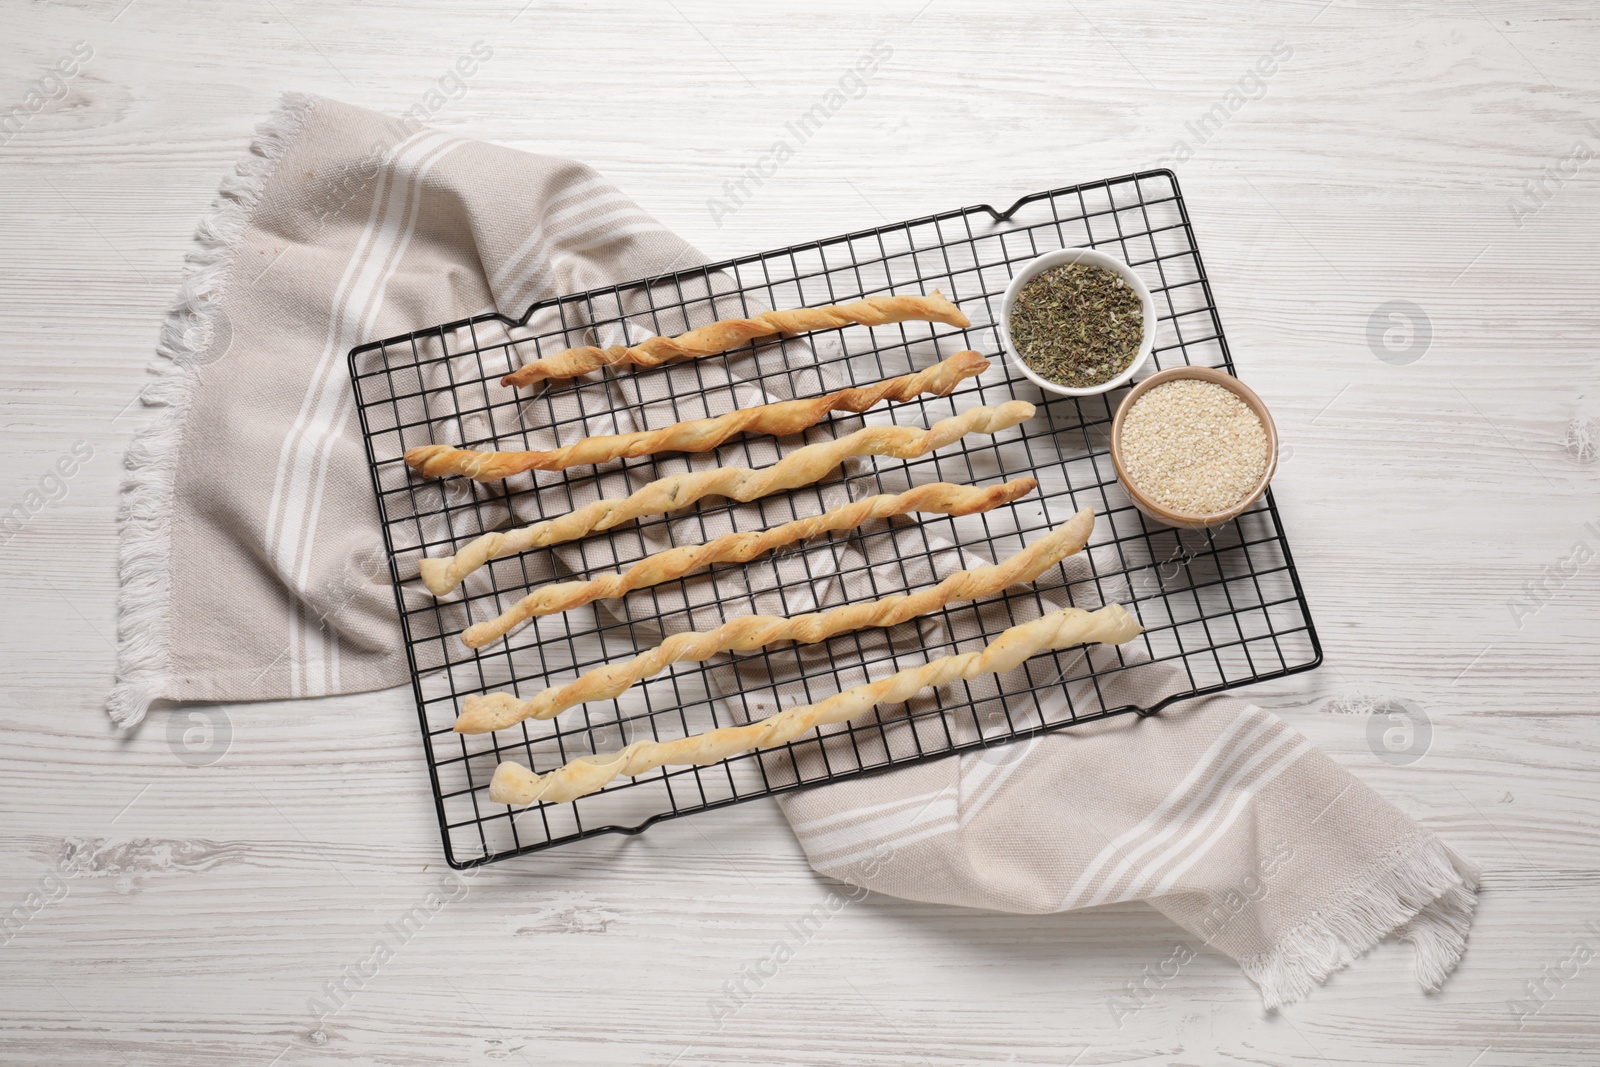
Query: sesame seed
{"type": "Point", "coordinates": [1193, 446]}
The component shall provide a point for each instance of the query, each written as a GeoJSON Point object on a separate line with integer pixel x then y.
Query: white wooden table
{"type": "Point", "coordinates": [1435, 470]}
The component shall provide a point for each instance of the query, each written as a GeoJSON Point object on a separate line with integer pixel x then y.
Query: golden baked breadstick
{"type": "Point", "coordinates": [701, 435]}
{"type": "Point", "coordinates": [800, 467]}
{"type": "Point", "coordinates": [515, 784]}
{"type": "Point", "coordinates": [941, 497]}
{"type": "Point", "coordinates": [731, 333]}
{"type": "Point", "coordinates": [481, 714]}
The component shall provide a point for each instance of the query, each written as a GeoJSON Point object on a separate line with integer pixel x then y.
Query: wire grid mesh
{"type": "Point", "coordinates": [1224, 606]}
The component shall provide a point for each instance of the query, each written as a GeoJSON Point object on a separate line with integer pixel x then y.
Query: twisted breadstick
{"type": "Point", "coordinates": [800, 467]}
{"type": "Point", "coordinates": [481, 714]}
{"type": "Point", "coordinates": [941, 497]}
{"type": "Point", "coordinates": [515, 784]}
{"type": "Point", "coordinates": [701, 435]}
{"type": "Point", "coordinates": [731, 333]}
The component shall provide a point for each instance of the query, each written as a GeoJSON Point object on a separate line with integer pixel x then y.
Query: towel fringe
{"type": "Point", "coordinates": [193, 331]}
{"type": "Point", "coordinates": [1423, 893]}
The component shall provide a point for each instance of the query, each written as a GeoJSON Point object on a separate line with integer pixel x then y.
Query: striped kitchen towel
{"type": "Point", "coordinates": [1215, 812]}
{"type": "Point", "coordinates": [251, 569]}
{"type": "Point", "coordinates": [340, 226]}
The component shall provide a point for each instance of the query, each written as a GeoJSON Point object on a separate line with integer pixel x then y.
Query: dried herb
{"type": "Point", "coordinates": [1077, 325]}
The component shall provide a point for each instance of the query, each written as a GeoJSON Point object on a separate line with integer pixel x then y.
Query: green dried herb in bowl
{"type": "Point", "coordinates": [1077, 325]}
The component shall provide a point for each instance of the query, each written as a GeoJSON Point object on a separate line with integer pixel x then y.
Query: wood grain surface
{"type": "Point", "coordinates": [185, 914]}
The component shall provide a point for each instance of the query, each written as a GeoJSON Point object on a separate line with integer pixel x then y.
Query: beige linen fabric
{"type": "Point", "coordinates": [1215, 812]}
{"type": "Point", "coordinates": [252, 566]}
{"type": "Point", "coordinates": [249, 548]}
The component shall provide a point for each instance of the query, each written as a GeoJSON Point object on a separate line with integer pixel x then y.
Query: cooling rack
{"type": "Point", "coordinates": [1221, 608]}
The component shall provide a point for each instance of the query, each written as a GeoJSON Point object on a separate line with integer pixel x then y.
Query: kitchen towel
{"type": "Point", "coordinates": [342, 226]}
{"type": "Point", "coordinates": [1215, 812]}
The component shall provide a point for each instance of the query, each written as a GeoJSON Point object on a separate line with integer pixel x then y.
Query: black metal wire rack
{"type": "Point", "coordinates": [1221, 607]}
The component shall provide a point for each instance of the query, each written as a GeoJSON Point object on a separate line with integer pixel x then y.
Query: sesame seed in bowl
{"type": "Point", "coordinates": [1193, 446]}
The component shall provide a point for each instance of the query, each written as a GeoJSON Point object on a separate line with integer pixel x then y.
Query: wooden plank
{"type": "Point", "coordinates": [205, 906]}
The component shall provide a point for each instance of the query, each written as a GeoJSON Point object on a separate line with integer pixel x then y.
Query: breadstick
{"type": "Point", "coordinates": [800, 467]}
{"type": "Point", "coordinates": [481, 714]}
{"type": "Point", "coordinates": [941, 497]}
{"type": "Point", "coordinates": [700, 435]}
{"type": "Point", "coordinates": [515, 784]}
{"type": "Point", "coordinates": [731, 333]}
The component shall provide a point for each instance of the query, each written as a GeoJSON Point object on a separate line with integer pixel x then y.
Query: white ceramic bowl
{"type": "Point", "coordinates": [1060, 257]}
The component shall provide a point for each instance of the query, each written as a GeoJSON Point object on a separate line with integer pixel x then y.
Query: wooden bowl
{"type": "Point", "coordinates": [1179, 518]}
